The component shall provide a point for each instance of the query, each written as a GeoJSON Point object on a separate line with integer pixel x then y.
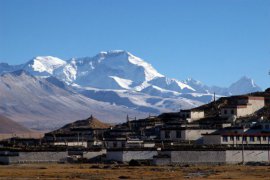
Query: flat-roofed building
{"type": "Point", "coordinates": [192, 114]}
{"type": "Point", "coordinates": [246, 105]}
{"type": "Point", "coordinates": [183, 133]}
{"type": "Point", "coordinates": [238, 136]}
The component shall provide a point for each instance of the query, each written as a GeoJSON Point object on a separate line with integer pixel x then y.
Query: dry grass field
{"type": "Point", "coordinates": [87, 171]}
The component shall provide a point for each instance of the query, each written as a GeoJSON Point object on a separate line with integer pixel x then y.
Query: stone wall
{"type": "Point", "coordinates": [234, 157]}
{"type": "Point", "coordinates": [36, 157]}
{"type": "Point", "coordinates": [198, 157]}
{"type": "Point", "coordinates": [212, 157]}
{"type": "Point", "coordinates": [126, 155]}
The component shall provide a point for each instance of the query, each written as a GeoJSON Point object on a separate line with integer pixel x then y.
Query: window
{"type": "Point", "coordinates": [225, 111]}
{"type": "Point", "coordinates": [267, 126]}
{"type": "Point", "coordinates": [123, 144]}
{"type": "Point", "coordinates": [178, 134]}
{"type": "Point", "coordinates": [225, 139]}
{"type": "Point", "coordinates": [114, 144]}
{"type": "Point", "coordinates": [264, 138]}
{"type": "Point", "coordinates": [244, 138]}
{"type": "Point", "coordinates": [251, 139]}
{"type": "Point", "coordinates": [259, 138]}
{"type": "Point", "coordinates": [167, 134]}
{"type": "Point", "coordinates": [237, 138]}
{"type": "Point", "coordinates": [231, 138]}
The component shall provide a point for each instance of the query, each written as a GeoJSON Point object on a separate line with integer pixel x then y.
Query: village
{"type": "Point", "coordinates": [229, 130]}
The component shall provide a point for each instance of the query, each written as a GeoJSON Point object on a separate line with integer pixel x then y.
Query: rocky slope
{"type": "Point", "coordinates": [9, 126]}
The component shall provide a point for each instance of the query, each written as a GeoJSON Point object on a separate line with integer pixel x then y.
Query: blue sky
{"type": "Point", "coordinates": [215, 41]}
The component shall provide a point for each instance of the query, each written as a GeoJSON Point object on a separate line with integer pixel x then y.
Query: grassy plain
{"type": "Point", "coordinates": [91, 171]}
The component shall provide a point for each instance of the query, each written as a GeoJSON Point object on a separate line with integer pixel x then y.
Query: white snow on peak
{"type": "Point", "coordinates": [150, 72]}
{"type": "Point", "coordinates": [113, 52]}
{"type": "Point", "coordinates": [193, 81]}
{"type": "Point", "coordinates": [124, 83]}
{"type": "Point", "coordinates": [183, 85]}
{"type": "Point", "coordinates": [46, 64]}
{"type": "Point", "coordinates": [70, 72]}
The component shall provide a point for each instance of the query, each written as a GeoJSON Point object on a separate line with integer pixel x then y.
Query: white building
{"type": "Point", "coordinates": [238, 136]}
{"type": "Point", "coordinates": [183, 134]}
{"type": "Point", "coordinates": [246, 105]}
{"type": "Point", "coordinates": [192, 114]}
{"type": "Point", "coordinates": [116, 143]}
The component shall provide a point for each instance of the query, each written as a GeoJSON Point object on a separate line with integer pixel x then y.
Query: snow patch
{"type": "Point", "coordinates": [46, 64]}
{"type": "Point", "coordinates": [124, 83]}
{"type": "Point", "coordinates": [150, 72]}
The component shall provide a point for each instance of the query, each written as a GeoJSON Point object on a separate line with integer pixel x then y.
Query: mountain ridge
{"type": "Point", "coordinates": [119, 69]}
{"type": "Point", "coordinates": [109, 85]}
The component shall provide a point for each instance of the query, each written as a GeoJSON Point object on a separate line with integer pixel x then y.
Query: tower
{"type": "Point", "coordinates": [128, 122]}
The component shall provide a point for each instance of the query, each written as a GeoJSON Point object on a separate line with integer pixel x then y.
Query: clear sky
{"type": "Point", "coordinates": [214, 41]}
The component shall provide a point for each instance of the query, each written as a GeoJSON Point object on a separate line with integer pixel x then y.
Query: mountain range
{"type": "Point", "coordinates": [109, 85]}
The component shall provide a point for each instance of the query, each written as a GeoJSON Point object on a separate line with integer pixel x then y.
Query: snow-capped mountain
{"type": "Point", "coordinates": [243, 86]}
{"type": "Point", "coordinates": [120, 70]}
{"type": "Point", "coordinates": [43, 65]}
{"type": "Point", "coordinates": [108, 85]}
{"type": "Point", "coordinates": [108, 70]}
{"type": "Point", "coordinates": [197, 85]}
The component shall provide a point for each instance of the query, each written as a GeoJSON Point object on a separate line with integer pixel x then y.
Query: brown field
{"type": "Point", "coordinates": [87, 171]}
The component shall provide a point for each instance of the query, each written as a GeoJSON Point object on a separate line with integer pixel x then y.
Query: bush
{"type": "Point", "coordinates": [134, 163]}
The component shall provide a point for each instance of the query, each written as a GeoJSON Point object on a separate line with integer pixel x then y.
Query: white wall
{"type": "Point", "coordinates": [93, 154]}
{"type": "Point", "coordinates": [253, 105]}
{"type": "Point", "coordinates": [196, 115]}
{"type": "Point", "coordinates": [195, 134]}
{"type": "Point", "coordinates": [213, 157]}
{"type": "Point", "coordinates": [84, 144]}
{"type": "Point", "coordinates": [126, 156]}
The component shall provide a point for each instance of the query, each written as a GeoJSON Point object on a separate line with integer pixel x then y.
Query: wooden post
{"type": "Point", "coordinates": [243, 148]}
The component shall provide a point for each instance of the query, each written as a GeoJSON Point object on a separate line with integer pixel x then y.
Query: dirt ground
{"type": "Point", "coordinates": [90, 171]}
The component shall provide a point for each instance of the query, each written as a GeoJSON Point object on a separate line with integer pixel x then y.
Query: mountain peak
{"type": "Point", "coordinates": [116, 68]}
{"type": "Point", "coordinates": [246, 79]}
{"type": "Point", "coordinates": [44, 64]}
{"type": "Point", "coordinates": [117, 54]}
{"type": "Point", "coordinates": [192, 81]}
{"type": "Point", "coordinates": [244, 85]}
{"type": "Point", "coordinates": [114, 52]}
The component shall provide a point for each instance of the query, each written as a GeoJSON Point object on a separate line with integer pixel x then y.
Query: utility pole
{"type": "Point", "coordinates": [268, 150]}
{"type": "Point", "coordinates": [243, 148]}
